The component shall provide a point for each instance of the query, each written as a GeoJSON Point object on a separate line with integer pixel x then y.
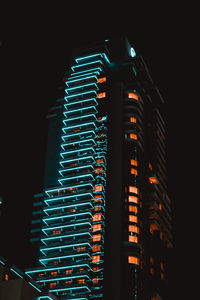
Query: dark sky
{"type": "Point", "coordinates": [35, 47]}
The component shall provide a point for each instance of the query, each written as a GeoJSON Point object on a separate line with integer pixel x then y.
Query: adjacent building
{"type": "Point", "coordinates": [103, 223]}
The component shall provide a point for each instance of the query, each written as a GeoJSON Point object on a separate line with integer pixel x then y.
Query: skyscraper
{"type": "Point", "coordinates": [103, 223]}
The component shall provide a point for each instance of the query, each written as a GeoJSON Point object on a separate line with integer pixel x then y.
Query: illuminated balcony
{"type": "Point", "coordinates": [78, 135]}
{"type": "Point", "coordinates": [80, 151]}
{"type": "Point", "coordinates": [80, 111]}
{"type": "Point", "coordinates": [76, 170]}
{"type": "Point", "coordinates": [82, 126]}
{"type": "Point", "coordinates": [62, 217]}
{"type": "Point", "coordinates": [78, 104]}
{"type": "Point", "coordinates": [81, 178]}
{"type": "Point", "coordinates": [80, 119]}
{"type": "Point", "coordinates": [79, 80]}
{"type": "Point", "coordinates": [69, 189]}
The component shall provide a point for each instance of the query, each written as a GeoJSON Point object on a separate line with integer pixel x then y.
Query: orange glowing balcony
{"type": "Point", "coordinates": [153, 180]}
{"type": "Point", "coordinates": [133, 260]}
{"type": "Point", "coordinates": [133, 96]}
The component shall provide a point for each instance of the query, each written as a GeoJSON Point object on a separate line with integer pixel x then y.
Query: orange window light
{"type": "Point", "coordinates": [41, 274]}
{"type": "Point", "coordinates": [56, 231]}
{"type": "Point", "coordinates": [81, 269]}
{"type": "Point", "coordinates": [102, 79]}
{"type": "Point", "coordinates": [133, 96]}
{"type": "Point", "coordinates": [6, 277]}
{"type": "Point", "coordinates": [81, 281]}
{"type": "Point", "coordinates": [133, 189]}
{"type": "Point", "coordinates": [150, 166]}
{"type": "Point", "coordinates": [96, 258]}
{"type": "Point", "coordinates": [80, 249]}
{"type": "Point", "coordinates": [162, 266]}
{"type": "Point", "coordinates": [101, 95]}
{"type": "Point", "coordinates": [54, 273]}
{"type": "Point", "coordinates": [97, 208]}
{"type": "Point", "coordinates": [133, 208]}
{"type": "Point", "coordinates": [133, 218]}
{"type": "Point", "coordinates": [98, 188]}
{"type": "Point", "coordinates": [96, 248]}
{"type": "Point", "coordinates": [67, 272]}
{"type": "Point", "coordinates": [133, 136]}
{"type": "Point", "coordinates": [132, 119]}
{"type": "Point", "coordinates": [133, 239]}
{"type": "Point", "coordinates": [96, 227]}
{"type": "Point", "coordinates": [96, 237]}
{"type": "Point", "coordinates": [95, 280]}
{"type": "Point", "coordinates": [68, 282]}
{"type": "Point", "coordinates": [52, 284]}
{"type": "Point", "coordinates": [133, 228]}
{"type": "Point", "coordinates": [99, 161]}
{"type": "Point", "coordinates": [97, 217]}
{"type": "Point", "coordinates": [153, 180]}
{"type": "Point", "coordinates": [153, 227]}
{"type": "Point", "coordinates": [95, 269]}
{"type": "Point", "coordinates": [98, 170]}
{"type": "Point", "coordinates": [133, 260]}
{"type": "Point", "coordinates": [97, 198]}
{"type": "Point", "coordinates": [133, 199]}
{"type": "Point", "coordinates": [134, 162]}
{"type": "Point", "coordinates": [134, 171]}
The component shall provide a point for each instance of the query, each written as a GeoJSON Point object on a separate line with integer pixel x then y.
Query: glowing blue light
{"type": "Point", "coordinates": [63, 278]}
{"type": "Point", "coordinates": [34, 287]}
{"type": "Point", "coordinates": [65, 216]}
{"type": "Point", "coordinates": [133, 53]}
{"type": "Point", "coordinates": [64, 246]}
{"type": "Point", "coordinates": [16, 273]}
{"type": "Point", "coordinates": [81, 87]}
{"type": "Point", "coordinates": [56, 268]}
{"type": "Point", "coordinates": [78, 223]}
{"type": "Point", "coordinates": [64, 129]}
{"type": "Point", "coordinates": [79, 94]}
{"type": "Point", "coordinates": [71, 288]}
{"type": "Point", "coordinates": [86, 64]}
{"type": "Point", "coordinates": [80, 109]}
{"type": "Point", "coordinates": [80, 101]}
{"type": "Point", "coordinates": [93, 70]}
{"type": "Point", "coordinates": [83, 78]}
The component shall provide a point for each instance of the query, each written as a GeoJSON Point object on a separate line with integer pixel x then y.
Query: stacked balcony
{"type": "Point", "coordinates": [72, 239]}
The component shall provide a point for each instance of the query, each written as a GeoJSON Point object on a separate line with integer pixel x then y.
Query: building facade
{"type": "Point", "coordinates": [103, 223]}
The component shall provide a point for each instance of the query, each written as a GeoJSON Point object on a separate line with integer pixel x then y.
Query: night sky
{"type": "Point", "coordinates": [35, 48]}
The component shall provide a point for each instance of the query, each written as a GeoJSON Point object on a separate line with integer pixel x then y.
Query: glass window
{"type": "Point", "coordinates": [133, 208]}
{"type": "Point", "coordinates": [133, 239]}
{"type": "Point", "coordinates": [96, 227]}
{"type": "Point", "coordinates": [133, 189]}
{"type": "Point", "coordinates": [133, 96]}
{"type": "Point", "coordinates": [134, 162]}
{"type": "Point", "coordinates": [101, 95]}
{"type": "Point", "coordinates": [132, 119]}
{"type": "Point", "coordinates": [96, 238]}
{"type": "Point", "coordinates": [133, 219]}
{"type": "Point", "coordinates": [133, 136]}
{"type": "Point", "coordinates": [133, 199]}
{"type": "Point", "coordinates": [102, 79]}
{"type": "Point", "coordinates": [133, 260]}
{"type": "Point", "coordinates": [96, 258]}
{"type": "Point", "coordinates": [134, 171]}
{"type": "Point", "coordinates": [133, 228]}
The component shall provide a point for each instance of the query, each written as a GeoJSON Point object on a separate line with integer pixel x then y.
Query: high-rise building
{"type": "Point", "coordinates": [103, 222]}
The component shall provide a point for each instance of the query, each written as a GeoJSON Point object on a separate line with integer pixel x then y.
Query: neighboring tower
{"type": "Point", "coordinates": [103, 224]}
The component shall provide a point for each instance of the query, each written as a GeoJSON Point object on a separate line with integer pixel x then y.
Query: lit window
{"type": "Point", "coordinates": [54, 273]}
{"type": "Point", "coordinates": [132, 119]}
{"type": "Point", "coordinates": [41, 274]}
{"type": "Point", "coordinates": [98, 170]}
{"type": "Point", "coordinates": [133, 239]}
{"type": "Point", "coordinates": [96, 217]}
{"type": "Point", "coordinates": [133, 260]}
{"type": "Point", "coordinates": [102, 79]}
{"type": "Point", "coordinates": [160, 206]}
{"type": "Point", "coordinates": [134, 171]}
{"type": "Point", "coordinates": [98, 188]}
{"type": "Point", "coordinates": [153, 227]}
{"type": "Point", "coordinates": [99, 161]}
{"type": "Point", "coordinates": [133, 219]}
{"type": "Point", "coordinates": [153, 180]}
{"type": "Point", "coordinates": [133, 189]}
{"type": "Point", "coordinates": [133, 208]}
{"type": "Point", "coordinates": [150, 166]}
{"type": "Point", "coordinates": [133, 199]}
{"type": "Point", "coordinates": [133, 96]}
{"type": "Point", "coordinates": [96, 237]}
{"type": "Point", "coordinates": [133, 228]}
{"type": "Point", "coordinates": [96, 227]}
{"type": "Point", "coordinates": [97, 198]}
{"type": "Point", "coordinates": [101, 95]}
{"type": "Point", "coordinates": [68, 282]}
{"type": "Point", "coordinates": [133, 136]}
{"type": "Point", "coordinates": [162, 266]}
{"type": "Point", "coordinates": [95, 280]}
{"type": "Point", "coordinates": [80, 249]}
{"type": "Point", "coordinates": [152, 271]}
{"type": "Point", "coordinates": [133, 162]}
{"type": "Point", "coordinates": [95, 269]}
{"type": "Point", "coordinates": [52, 284]}
{"type": "Point", "coordinates": [67, 272]}
{"type": "Point", "coordinates": [97, 208]}
{"type": "Point", "coordinates": [6, 277]}
{"type": "Point", "coordinates": [96, 258]}
{"type": "Point", "coordinates": [56, 231]}
{"type": "Point", "coordinates": [96, 248]}
{"type": "Point", "coordinates": [81, 281]}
